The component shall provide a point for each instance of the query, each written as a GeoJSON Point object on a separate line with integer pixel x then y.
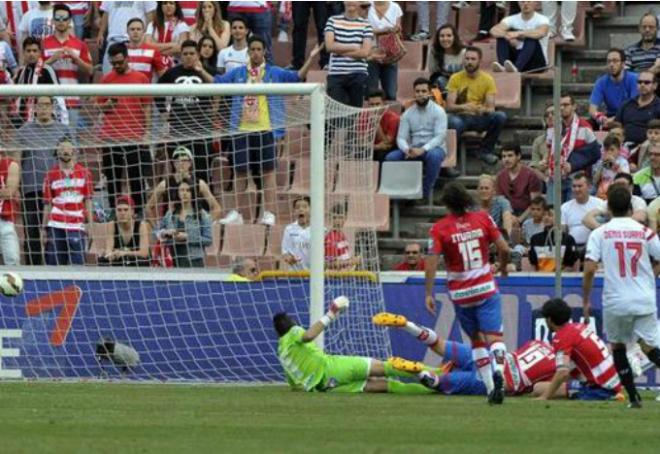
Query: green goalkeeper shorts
{"type": "Point", "coordinates": [346, 374]}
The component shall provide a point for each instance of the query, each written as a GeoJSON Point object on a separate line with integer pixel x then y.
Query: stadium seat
{"type": "Point", "coordinates": [405, 81]}
{"type": "Point", "coordinates": [357, 176]}
{"type": "Point", "coordinates": [452, 148]}
{"type": "Point", "coordinates": [489, 50]}
{"type": "Point", "coordinates": [360, 217]}
{"type": "Point", "coordinates": [508, 90]}
{"type": "Point", "coordinates": [274, 247]}
{"type": "Point", "coordinates": [284, 208]}
{"type": "Point", "coordinates": [401, 181]}
{"type": "Point", "coordinates": [296, 143]}
{"type": "Point", "coordinates": [245, 240]}
{"type": "Point", "coordinates": [282, 53]}
{"type": "Point", "coordinates": [414, 58]}
{"type": "Point", "coordinates": [301, 177]}
{"type": "Point", "coordinates": [545, 74]}
{"type": "Point", "coordinates": [468, 22]}
{"type": "Point", "coordinates": [283, 174]}
{"type": "Point", "coordinates": [212, 252]}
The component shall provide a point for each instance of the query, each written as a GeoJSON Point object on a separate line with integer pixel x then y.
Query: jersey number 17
{"type": "Point", "coordinates": [621, 248]}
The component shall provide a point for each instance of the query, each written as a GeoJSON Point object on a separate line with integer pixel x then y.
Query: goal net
{"type": "Point", "coordinates": [158, 233]}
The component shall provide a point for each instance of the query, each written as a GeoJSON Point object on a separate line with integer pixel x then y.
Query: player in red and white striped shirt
{"type": "Point", "coordinates": [65, 53]}
{"type": "Point", "coordinates": [580, 354]}
{"type": "Point", "coordinates": [463, 237]}
{"type": "Point", "coordinates": [68, 190]}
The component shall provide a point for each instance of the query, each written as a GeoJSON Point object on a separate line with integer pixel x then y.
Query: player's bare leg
{"type": "Point", "coordinates": [539, 390]}
{"type": "Point", "coordinates": [422, 333]}
{"type": "Point", "coordinates": [496, 359]}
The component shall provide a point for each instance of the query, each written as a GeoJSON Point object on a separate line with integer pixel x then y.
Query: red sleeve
{"type": "Point", "coordinates": [500, 184]}
{"type": "Point", "coordinates": [535, 183]}
{"type": "Point", "coordinates": [562, 344]}
{"type": "Point", "coordinates": [84, 53]}
{"type": "Point", "coordinates": [330, 245]}
{"type": "Point", "coordinates": [89, 184]}
{"type": "Point", "coordinates": [160, 63]}
{"type": "Point", "coordinates": [48, 197]}
{"type": "Point", "coordinates": [436, 241]}
{"type": "Point", "coordinates": [391, 125]}
{"type": "Point", "coordinates": [400, 267]}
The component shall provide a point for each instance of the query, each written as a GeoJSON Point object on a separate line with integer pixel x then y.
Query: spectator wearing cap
{"type": "Point", "coordinates": [166, 190]}
{"type": "Point", "coordinates": [126, 128]}
{"type": "Point", "coordinates": [636, 113]}
{"type": "Point", "coordinates": [243, 270]}
{"type": "Point", "coordinates": [414, 261]}
{"type": "Point", "coordinates": [9, 182]}
{"type": "Point", "coordinates": [68, 191]}
{"type": "Point", "coordinates": [612, 89]}
{"type": "Point", "coordinates": [129, 245]}
{"type": "Point", "coordinates": [645, 54]}
{"type": "Point", "coordinates": [257, 121]}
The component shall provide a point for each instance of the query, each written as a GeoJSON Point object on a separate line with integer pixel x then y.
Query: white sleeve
{"type": "Point", "coordinates": [564, 214]}
{"type": "Point", "coordinates": [594, 246]}
{"type": "Point", "coordinates": [150, 30]}
{"type": "Point", "coordinates": [221, 59]}
{"type": "Point", "coordinates": [287, 247]}
{"type": "Point", "coordinates": [106, 6]}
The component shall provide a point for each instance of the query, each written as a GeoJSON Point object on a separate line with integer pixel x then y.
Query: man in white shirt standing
{"type": "Point", "coordinates": [237, 54]}
{"type": "Point", "coordinates": [574, 211]}
{"type": "Point", "coordinates": [296, 238]}
{"type": "Point", "coordinates": [115, 17]}
{"type": "Point", "coordinates": [629, 295]}
{"type": "Point", "coordinates": [522, 40]}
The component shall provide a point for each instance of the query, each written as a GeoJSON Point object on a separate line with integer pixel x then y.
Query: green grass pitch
{"type": "Point", "coordinates": [93, 417]}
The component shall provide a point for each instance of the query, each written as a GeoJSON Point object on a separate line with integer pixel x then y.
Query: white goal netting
{"type": "Point", "coordinates": [153, 230]}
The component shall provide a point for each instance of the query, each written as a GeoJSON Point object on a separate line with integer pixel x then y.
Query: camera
{"type": "Point", "coordinates": [121, 355]}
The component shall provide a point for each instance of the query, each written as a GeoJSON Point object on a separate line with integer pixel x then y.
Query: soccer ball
{"type": "Point", "coordinates": [11, 284]}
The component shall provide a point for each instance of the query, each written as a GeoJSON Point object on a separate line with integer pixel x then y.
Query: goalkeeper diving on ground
{"type": "Point", "coordinates": [308, 368]}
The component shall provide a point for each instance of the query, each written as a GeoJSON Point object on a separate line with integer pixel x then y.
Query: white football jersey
{"type": "Point", "coordinates": [625, 246]}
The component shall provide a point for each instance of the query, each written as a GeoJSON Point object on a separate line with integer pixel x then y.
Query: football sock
{"type": "Point", "coordinates": [482, 361]}
{"type": "Point", "coordinates": [426, 335]}
{"type": "Point", "coordinates": [625, 374]}
{"type": "Point", "coordinates": [396, 387]}
{"type": "Point", "coordinates": [654, 356]}
{"type": "Point", "coordinates": [498, 352]}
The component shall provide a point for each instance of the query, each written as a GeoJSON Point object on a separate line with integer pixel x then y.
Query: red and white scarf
{"type": "Point", "coordinates": [165, 36]}
{"type": "Point", "coordinates": [251, 103]}
{"type": "Point", "coordinates": [567, 143]}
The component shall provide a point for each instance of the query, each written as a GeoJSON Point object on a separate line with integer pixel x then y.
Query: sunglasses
{"type": "Point", "coordinates": [412, 252]}
{"type": "Point", "coordinates": [645, 82]}
{"type": "Point", "coordinates": [61, 18]}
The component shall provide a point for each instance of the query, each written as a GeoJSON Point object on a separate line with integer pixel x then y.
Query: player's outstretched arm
{"type": "Point", "coordinates": [504, 253]}
{"type": "Point", "coordinates": [560, 377]}
{"type": "Point", "coordinates": [590, 268]}
{"type": "Point", "coordinates": [338, 305]}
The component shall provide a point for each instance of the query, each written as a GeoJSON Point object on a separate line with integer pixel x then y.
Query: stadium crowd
{"type": "Point", "coordinates": [166, 217]}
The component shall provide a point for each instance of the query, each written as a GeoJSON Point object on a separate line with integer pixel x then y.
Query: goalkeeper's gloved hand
{"type": "Point", "coordinates": [339, 305]}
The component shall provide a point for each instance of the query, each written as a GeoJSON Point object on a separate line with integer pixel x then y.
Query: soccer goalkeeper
{"type": "Point", "coordinates": [307, 367]}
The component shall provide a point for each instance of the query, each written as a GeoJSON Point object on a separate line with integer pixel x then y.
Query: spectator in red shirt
{"type": "Point", "coordinates": [9, 179]}
{"type": "Point", "coordinates": [144, 57]}
{"type": "Point", "coordinates": [517, 182]}
{"type": "Point", "coordinates": [126, 121]}
{"type": "Point", "coordinates": [68, 191]}
{"type": "Point", "coordinates": [337, 248]}
{"type": "Point", "coordinates": [388, 127]}
{"type": "Point", "coordinates": [68, 56]}
{"type": "Point", "coordinates": [413, 261]}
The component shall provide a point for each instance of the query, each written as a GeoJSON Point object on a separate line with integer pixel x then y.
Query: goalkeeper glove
{"type": "Point", "coordinates": [339, 305]}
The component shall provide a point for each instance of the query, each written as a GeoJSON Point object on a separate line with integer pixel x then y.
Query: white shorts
{"type": "Point", "coordinates": [625, 329]}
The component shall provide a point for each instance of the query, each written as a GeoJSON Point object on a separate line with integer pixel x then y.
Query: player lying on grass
{"type": "Point", "coordinates": [532, 363]}
{"type": "Point", "coordinates": [580, 354]}
{"type": "Point", "coordinates": [307, 367]}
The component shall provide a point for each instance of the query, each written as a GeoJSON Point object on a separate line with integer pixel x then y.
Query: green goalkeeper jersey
{"type": "Point", "coordinates": [303, 362]}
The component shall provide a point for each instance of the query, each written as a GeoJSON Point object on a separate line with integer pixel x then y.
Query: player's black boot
{"type": "Point", "coordinates": [635, 401]}
{"type": "Point", "coordinates": [496, 396]}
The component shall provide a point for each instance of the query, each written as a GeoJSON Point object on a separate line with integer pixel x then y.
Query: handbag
{"type": "Point", "coordinates": [392, 46]}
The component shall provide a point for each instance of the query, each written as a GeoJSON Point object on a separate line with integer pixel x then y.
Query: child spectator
{"type": "Point", "coordinates": [534, 223]}
{"type": "Point", "coordinates": [609, 165]}
{"type": "Point", "coordinates": [337, 248]}
{"type": "Point", "coordinates": [296, 237]}
{"type": "Point", "coordinates": [541, 250]}
{"type": "Point", "coordinates": [616, 129]}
